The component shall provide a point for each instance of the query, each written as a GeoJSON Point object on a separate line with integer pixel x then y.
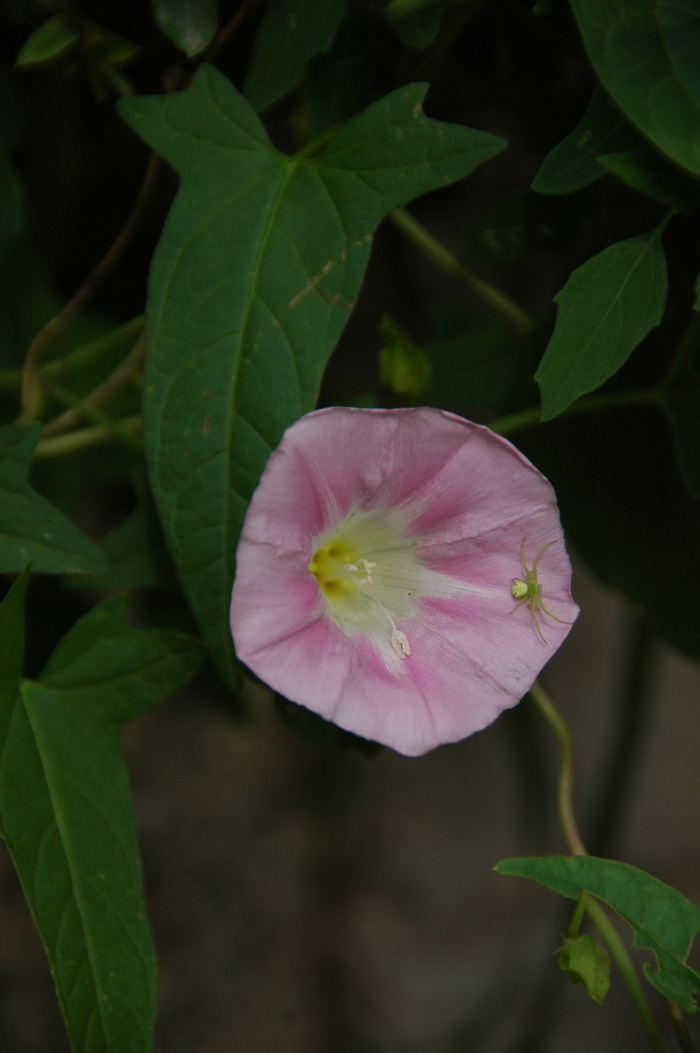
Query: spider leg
{"type": "Point", "coordinates": [537, 557]}
{"type": "Point", "coordinates": [552, 616]}
{"type": "Point", "coordinates": [523, 564]}
{"type": "Point", "coordinates": [519, 604]}
{"type": "Point", "coordinates": [536, 621]}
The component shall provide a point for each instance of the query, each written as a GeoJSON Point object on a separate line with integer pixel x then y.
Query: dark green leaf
{"type": "Point", "coordinates": [31, 529]}
{"type": "Point", "coordinates": [416, 22]}
{"type": "Point", "coordinates": [292, 32]}
{"type": "Point", "coordinates": [645, 53]}
{"type": "Point", "coordinates": [255, 275]}
{"type": "Point", "coordinates": [662, 918]}
{"type": "Point", "coordinates": [608, 305]}
{"type": "Point", "coordinates": [573, 163]}
{"type": "Point", "coordinates": [649, 173]}
{"type": "Point", "coordinates": [587, 963]}
{"type": "Point", "coordinates": [188, 24]}
{"type": "Point", "coordinates": [67, 819]}
{"type": "Point", "coordinates": [342, 79]}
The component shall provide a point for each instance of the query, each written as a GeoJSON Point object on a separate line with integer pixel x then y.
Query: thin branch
{"type": "Point", "coordinates": [488, 294]}
{"type": "Point", "coordinates": [565, 804]}
{"type": "Point", "coordinates": [572, 837]}
{"type": "Point", "coordinates": [61, 321]}
{"type": "Point", "coordinates": [606, 400]}
{"type": "Point", "coordinates": [226, 31]}
{"type": "Point", "coordinates": [126, 372]}
{"type": "Point", "coordinates": [622, 959]}
{"type": "Point", "coordinates": [127, 430]}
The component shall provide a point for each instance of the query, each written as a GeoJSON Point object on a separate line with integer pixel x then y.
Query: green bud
{"type": "Point", "coordinates": [403, 366]}
{"type": "Point", "coordinates": [587, 963]}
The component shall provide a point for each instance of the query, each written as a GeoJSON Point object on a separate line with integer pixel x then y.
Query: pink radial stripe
{"type": "Point", "coordinates": [438, 508]}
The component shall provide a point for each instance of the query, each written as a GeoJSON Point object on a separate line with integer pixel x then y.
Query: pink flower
{"type": "Point", "coordinates": [378, 567]}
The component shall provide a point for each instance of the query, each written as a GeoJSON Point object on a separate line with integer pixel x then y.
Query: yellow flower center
{"type": "Point", "coordinates": [368, 571]}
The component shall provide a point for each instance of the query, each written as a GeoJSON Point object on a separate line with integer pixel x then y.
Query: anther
{"type": "Point", "coordinates": [399, 641]}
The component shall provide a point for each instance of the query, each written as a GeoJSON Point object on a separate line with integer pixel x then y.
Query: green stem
{"type": "Point", "coordinates": [127, 429]}
{"type": "Point", "coordinates": [61, 321]}
{"type": "Point", "coordinates": [622, 959]}
{"type": "Point", "coordinates": [488, 294]}
{"type": "Point", "coordinates": [11, 379]}
{"type": "Point", "coordinates": [565, 785]}
{"type": "Point", "coordinates": [679, 1026]}
{"type": "Point", "coordinates": [577, 917]}
{"type": "Point", "coordinates": [87, 405]}
{"type": "Point", "coordinates": [527, 418]}
{"type": "Point", "coordinates": [573, 840]}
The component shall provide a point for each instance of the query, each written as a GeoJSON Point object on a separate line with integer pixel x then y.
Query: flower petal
{"type": "Point", "coordinates": [469, 500]}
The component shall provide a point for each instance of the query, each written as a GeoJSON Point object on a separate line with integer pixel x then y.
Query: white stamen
{"type": "Point", "coordinates": [399, 641]}
{"type": "Point", "coordinates": [362, 575]}
{"type": "Point", "coordinates": [361, 571]}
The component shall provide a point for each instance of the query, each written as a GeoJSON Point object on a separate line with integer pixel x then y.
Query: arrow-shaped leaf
{"type": "Point", "coordinates": [66, 811]}
{"type": "Point", "coordinates": [607, 307]}
{"type": "Point", "coordinates": [32, 530]}
{"type": "Point", "coordinates": [254, 278]}
{"type": "Point", "coordinates": [662, 918]}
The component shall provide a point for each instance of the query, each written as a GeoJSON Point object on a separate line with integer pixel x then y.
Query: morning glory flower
{"type": "Point", "coordinates": [401, 572]}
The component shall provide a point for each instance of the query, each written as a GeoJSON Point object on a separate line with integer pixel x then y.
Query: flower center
{"type": "Point", "coordinates": [368, 572]}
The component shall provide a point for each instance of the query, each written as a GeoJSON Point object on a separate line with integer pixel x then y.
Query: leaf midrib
{"type": "Point", "coordinates": [24, 694]}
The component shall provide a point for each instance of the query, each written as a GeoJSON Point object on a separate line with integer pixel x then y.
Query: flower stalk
{"type": "Point", "coordinates": [592, 907]}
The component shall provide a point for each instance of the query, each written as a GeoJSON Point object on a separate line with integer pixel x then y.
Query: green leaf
{"type": "Point", "coordinates": [31, 529]}
{"type": "Point", "coordinates": [663, 920]}
{"type": "Point", "coordinates": [188, 24]}
{"type": "Point", "coordinates": [649, 173]}
{"type": "Point", "coordinates": [291, 33]}
{"type": "Point", "coordinates": [67, 818]}
{"type": "Point", "coordinates": [254, 279]}
{"type": "Point", "coordinates": [339, 81]}
{"type": "Point", "coordinates": [587, 963]}
{"type": "Point", "coordinates": [608, 305]}
{"type": "Point", "coordinates": [645, 53]}
{"type": "Point", "coordinates": [49, 43]}
{"type": "Point", "coordinates": [416, 22]}
{"type": "Point", "coordinates": [573, 163]}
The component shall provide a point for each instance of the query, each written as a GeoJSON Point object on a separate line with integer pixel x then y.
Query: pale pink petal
{"type": "Point", "coordinates": [469, 499]}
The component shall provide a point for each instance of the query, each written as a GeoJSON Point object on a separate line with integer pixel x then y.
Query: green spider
{"type": "Point", "coordinates": [528, 590]}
